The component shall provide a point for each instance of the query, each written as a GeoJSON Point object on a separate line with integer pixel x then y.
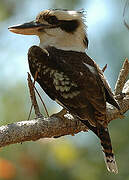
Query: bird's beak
{"type": "Point", "coordinates": [30, 28]}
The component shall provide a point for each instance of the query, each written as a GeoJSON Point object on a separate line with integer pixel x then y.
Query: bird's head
{"type": "Point", "coordinates": [62, 29]}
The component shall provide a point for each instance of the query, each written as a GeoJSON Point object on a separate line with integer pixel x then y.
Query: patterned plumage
{"type": "Point", "coordinates": [77, 89]}
{"type": "Point", "coordinates": [68, 75]}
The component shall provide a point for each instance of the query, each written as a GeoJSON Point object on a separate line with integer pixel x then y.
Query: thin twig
{"type": "Point", "coordinates": [33, 97]}
{"type": "Point", "coordinates": [122, 77]}
{"type": "Point", "coordinates": [35, 78]}
{"type": "Point", "coordinates": [33, 85]}
{"type": "Point", "coordinates": [124, 12]}
{"type": "Point", "coordinates": [104, 68]}
{"type": "Point", "coordinates": [30, 111]}
{"type": "Point", "coordinates": [30, 81]}
{"type": "Point", "coordinates": [42, 102]}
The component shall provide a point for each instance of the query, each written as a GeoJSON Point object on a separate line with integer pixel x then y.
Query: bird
{"type": "Point", "coordinates": [67, 74]}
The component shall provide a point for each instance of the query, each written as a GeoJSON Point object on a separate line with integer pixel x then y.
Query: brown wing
{"type": "Point", "coordinates": [88, 81]}
{"type": "Point", "coordinates": [108, 92]}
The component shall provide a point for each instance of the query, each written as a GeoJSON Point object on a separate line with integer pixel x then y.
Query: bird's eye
{"type": "Point", "coordinates": [52, 20]}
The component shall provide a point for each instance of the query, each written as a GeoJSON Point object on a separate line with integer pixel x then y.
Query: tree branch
{"type": "Point", "coordinates": [122, 77]}
{"type": "Point", "coordinates": [63, 123]}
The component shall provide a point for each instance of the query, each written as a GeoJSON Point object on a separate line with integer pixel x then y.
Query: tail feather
{"type": "Point", "coordinates": [111, 163]}
{"type": "Point", "coordinates": [107, 149]}
{"type": "Point", "coordinates": [103, 135]}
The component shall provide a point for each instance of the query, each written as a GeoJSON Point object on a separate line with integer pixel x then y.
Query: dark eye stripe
{"type": "Point", "coordinates": [51, 19]}
{"type": "Point", "coordinates": [69, 26]}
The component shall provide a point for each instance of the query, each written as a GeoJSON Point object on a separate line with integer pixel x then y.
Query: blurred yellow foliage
{"type": "Point", "coordinates": [65, 153]}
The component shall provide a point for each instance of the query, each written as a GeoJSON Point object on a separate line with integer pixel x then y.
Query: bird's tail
{"type": "Point", "coordinates": [103, 135]}
{"type": "Point", "coordinates": [109, 156]}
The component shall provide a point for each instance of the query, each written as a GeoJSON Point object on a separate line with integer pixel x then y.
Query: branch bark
{"type": "Point", "coordinates": [63, 123]}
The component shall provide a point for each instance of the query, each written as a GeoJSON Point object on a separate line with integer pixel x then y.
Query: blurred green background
{"type": "Point", "coordinates": [71, 158]}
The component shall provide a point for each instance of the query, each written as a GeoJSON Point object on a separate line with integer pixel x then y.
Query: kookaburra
{"type": "Point", "coordinates": [67, 74]}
